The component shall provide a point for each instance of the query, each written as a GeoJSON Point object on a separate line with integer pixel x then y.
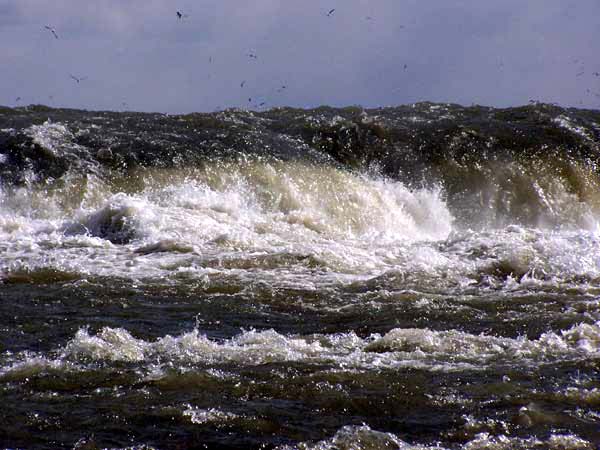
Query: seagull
{"type": "Point", "coordinates": [405, 66]}
{"type": "Point", "coordinates": [52, 30]}
{"type": "Point", "coordinates": [242, 83]}
{"type": "Point", "coordinates": [18, 99]}
{"type": "Point", "coordinates": [252, 55]}
{"type": "Point", "coordinates": [78, 79]}
{"type": "Point", "coordinates": [180, 15]}
{"type": "Point", "coordinates": [331, 11]}
{"type": "Point", "coordinates": [282, 88]}
{"type": "Point", "coordinates": [262, 103]}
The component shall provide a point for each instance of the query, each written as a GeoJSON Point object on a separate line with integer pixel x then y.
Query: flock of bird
{"type": "Point", "coordinates": [180, 16]}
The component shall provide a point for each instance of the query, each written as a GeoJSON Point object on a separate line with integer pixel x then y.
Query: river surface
{"type": "Point", "coordinates": [418, 277]}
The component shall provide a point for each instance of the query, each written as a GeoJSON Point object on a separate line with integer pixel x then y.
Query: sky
{"type": "Point", "coordinates": [138, 55]}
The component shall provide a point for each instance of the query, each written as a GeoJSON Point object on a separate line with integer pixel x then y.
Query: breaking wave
{"type": "Point", "coordinates": [399, 348]}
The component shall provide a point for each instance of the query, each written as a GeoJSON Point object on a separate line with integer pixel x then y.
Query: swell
{"type": "Point", "coordinates": [534, 165]}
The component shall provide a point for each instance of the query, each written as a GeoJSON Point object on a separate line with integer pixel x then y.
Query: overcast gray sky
{"type": "Point", "coordinates": [137, 55]}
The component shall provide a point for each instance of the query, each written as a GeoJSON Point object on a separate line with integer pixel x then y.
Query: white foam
{"type": "Point", "coordinates": [353, 226]}
{"type": "Point", "coordinates": [567, 123]}
{"type": "Point", "coordinates": [212, 415]}
{"type": "Point", "coordinates": [365, 438]}
{"type": "Point", "coordinates": [401, 347]}
{"type": "Point", "coordinates": [29, 365]}
{"type": "Point", "coordinates": [579, 340]}
{"type": "Point", "coordinates": [357, 438]}
{"type": "Point", "coordinates": [50, 136]}
{"type": "Point", "coordinates": [349, 222]}
{"type": "Point", "coordinates": [581, 395]}
{"type": "Point", "coordinates": [527, 258]}
{"type": "Point", "coordinates": [486, 441]}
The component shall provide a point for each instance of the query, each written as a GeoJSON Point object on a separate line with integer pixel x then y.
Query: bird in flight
{"type": "Point", "coordinates": [52, 30]}
{"type": "Point", "coordinates": [242, 83]}
{"type": "Point", "coordinates": [252, 55]}
{"type": "Point", "coordinates": [18, 99]}
{"type": "Point", "coordinates": [180, 15]}
{"type": "Point", "coordinates": [331, 11]}
{"type": "Point", "coordinates": [78, 79]}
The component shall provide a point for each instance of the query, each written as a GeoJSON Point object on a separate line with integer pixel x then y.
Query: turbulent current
{"type": "Point", "coordinates": [419, 277]}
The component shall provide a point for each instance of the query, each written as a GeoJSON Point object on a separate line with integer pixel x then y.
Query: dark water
{"type": "Point", "coordinates": [426, 276]}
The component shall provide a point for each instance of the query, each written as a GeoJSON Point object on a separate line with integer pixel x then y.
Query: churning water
{"type": "Point", "coordinates": [416, 277]}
